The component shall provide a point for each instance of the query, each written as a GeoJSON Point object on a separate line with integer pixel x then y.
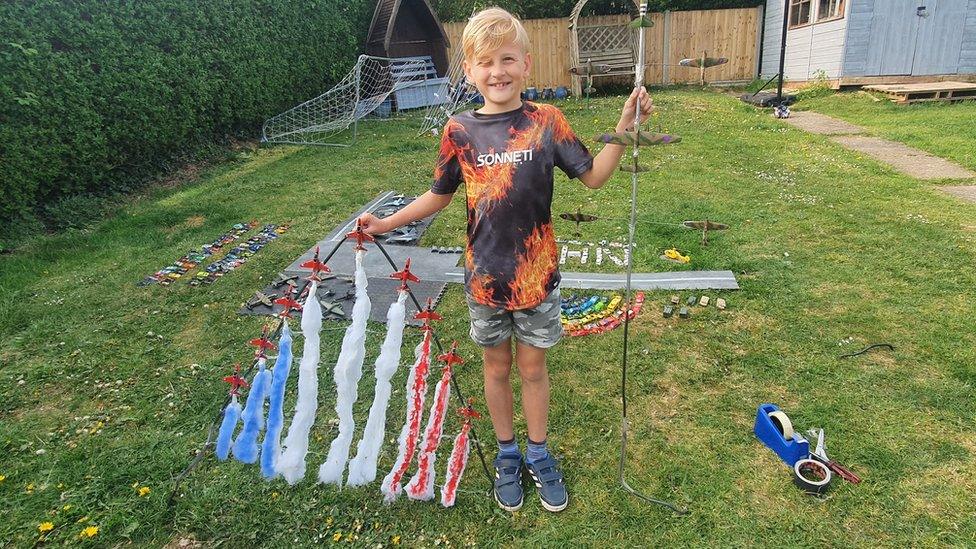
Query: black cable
{"type": "Point", "coordinates": [868, 348]}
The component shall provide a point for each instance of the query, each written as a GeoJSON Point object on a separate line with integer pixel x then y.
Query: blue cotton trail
{"type": "Point", "coordinates": [246, 446]}
{"type": "Point", "coordinates": [232, 414]}
{"type": "Point", "coordinates": [276, 406]}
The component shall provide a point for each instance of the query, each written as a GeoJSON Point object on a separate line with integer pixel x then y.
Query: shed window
{"type": "Point", "coordinates": [800, 12]}
{"type": "Point", "coordinates": [830, 9]}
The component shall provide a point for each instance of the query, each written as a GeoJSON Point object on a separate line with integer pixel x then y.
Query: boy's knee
{"type": "Point", "coordinates": [498, 361]}
{"type": "Point", "coordinates": [532, 371]}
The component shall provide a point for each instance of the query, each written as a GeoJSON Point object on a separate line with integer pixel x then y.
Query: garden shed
{"type": "Point", "coordinates": [854, 42]}
{"type": "Point", "coordinates": [408, 28]}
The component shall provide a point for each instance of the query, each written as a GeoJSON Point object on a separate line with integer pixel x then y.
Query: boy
{"type": "Point", "coordinates": [504, 153]}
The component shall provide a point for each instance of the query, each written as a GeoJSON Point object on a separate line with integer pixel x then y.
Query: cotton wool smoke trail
{"type": "Point", "coordinates": [410, 433]}
{"type": "Point", "coordinates": [276, 404]}
{"type": "Point", "coordinates": [362, 468]}
{"type": "Point", "coordinates": [291, 462]}
{"type": "Point", "coordinates": [348, 371]}
{"type": "Point", "coordinates": [456, 465]}
{"type": "Point", "coordinates": [232, 414]}
{"type": "Point", "coordinates": [421, 486]}
{"type": "Point", "coordinates": [246, 445]}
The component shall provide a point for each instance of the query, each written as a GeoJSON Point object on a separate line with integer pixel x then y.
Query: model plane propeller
{"type": "Point", "coordinates": [405, 276]}
{"type": "Point", "coordinates": [578, 218]}
{"type": "Point", "coordinates": [705, 226]}
{"type": "Point", "coordinates": [236, 381]}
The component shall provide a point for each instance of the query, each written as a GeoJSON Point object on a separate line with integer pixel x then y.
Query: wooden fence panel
{"type": "Point", "coordinates": [728, 33]}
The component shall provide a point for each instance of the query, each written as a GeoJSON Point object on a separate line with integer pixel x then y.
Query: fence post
{"type": "Point", "coordinates": [666, 68]}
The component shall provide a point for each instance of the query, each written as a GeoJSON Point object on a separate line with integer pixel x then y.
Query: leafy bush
{"type": "Point", "coordinates": [95, 97]}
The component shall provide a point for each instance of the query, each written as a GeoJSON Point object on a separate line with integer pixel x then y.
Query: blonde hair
{"type": "Point", "coordinates": [490, 29]}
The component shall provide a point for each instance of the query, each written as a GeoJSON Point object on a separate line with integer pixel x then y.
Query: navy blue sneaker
{"type": "Point", "coordinates": [549, 481]}
{"type": "Point", "coordinates": [508, 482]}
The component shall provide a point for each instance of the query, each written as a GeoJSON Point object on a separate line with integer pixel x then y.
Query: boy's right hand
{"type": "Point", "coordinates": [372, 224]}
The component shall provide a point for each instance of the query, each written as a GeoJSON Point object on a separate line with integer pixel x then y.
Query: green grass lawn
{"type": "Point", "coordinates": [106, 388]}
{"type": "Point", "coordinates": [943, 129]}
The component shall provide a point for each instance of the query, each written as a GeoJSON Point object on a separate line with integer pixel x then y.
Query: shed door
{"type": "Point", "coordinates": [940, 29]}
{"type": "Point", "coordinates": [894, 34]}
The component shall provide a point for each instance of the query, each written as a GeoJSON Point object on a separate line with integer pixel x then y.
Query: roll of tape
{"type": "Point", "coordinates": [783, 423]}
{"type": "Point", "coordinates": [811, 476]}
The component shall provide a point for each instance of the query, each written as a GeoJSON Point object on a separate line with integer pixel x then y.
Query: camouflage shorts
{"type": "Point", "coordinates": [538, 327]}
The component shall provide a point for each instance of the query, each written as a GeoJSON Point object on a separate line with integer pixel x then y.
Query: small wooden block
{"type": "Point", "coordinates": [675, 299]}
{"type": "Point", "coordinates": [720, 304]}
{"type": "Point", "coordinates": [683, 313]}
{"type": "Point", "coordinates": [691, 300]}
{"type": "Point", "coordinates": [668, 311]}
{"type": "Point", "coordinates": [703, 301]}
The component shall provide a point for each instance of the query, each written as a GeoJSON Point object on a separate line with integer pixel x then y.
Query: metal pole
{"type": "Point", "coordinates": [624, 425]}
{"type": "Point", "coordinates": [782, 51]}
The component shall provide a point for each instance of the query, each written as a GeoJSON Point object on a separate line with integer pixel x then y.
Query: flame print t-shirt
{"type": "Point", "coordinates": [506, 163]}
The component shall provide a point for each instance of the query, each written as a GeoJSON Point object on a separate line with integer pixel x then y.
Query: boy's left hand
{"type": "Point", "coordinates": [626, 122]}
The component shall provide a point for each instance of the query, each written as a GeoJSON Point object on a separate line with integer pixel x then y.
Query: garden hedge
{"type": "Point", "coordinates": [95, 97]}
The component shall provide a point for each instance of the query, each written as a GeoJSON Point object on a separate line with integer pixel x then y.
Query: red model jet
{"type": "Point", "coordinates": [404, 276]}
{"type": "Point", "coordinates": [236, 381]}
{"type": "Point", "coordinates": [468, 412]}
{"type": "Point", "coordinates": [288, 303]}
{"type": "Point", "coordinates": [428, 314]}
{"type": "Point", "coordinates": [316, 266]}
{"type": "Point", "coordinates": [262, 343]}
{"type": "Point", "coordinates": [360, 236]}
{"type": "Point", "coordinates": [451, 357]}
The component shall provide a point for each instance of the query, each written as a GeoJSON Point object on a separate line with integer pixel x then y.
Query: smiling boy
{"type": "Point", "coordinates": [504, 153]}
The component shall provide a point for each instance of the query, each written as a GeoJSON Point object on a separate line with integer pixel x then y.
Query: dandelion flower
{"type": "Point", "coordinates": [396, 540]}
{"type": "Point", "coordinates": [67, 507]}
{"type": "Point", "coordinates": [3, 478]}
{"type": "Point", "coordinates": [337, 536]}
{"type": "Point", "coordinates": [88, 532]}
{"type": "Point", "coordinates": [45, 527]}
{"type": "Point", "coordinates": [30, 488]}
{"type": "Point", "coordinates": [144, 491]}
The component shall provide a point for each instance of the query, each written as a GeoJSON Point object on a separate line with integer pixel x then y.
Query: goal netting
{"type": "Point", "coordinates": [453, 94]}
{"type": "Point", "coordinates": [363, 91]}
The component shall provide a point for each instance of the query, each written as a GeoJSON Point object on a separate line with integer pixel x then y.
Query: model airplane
{"type": "Point", "coordinates": [316, 266]}
{"type": "Point", "coordinates": [405, 276]}
{"type": "Point", "coordinates": [703, 63]}
{"type": "Point", "coordinates": [450, 358]}
{"type": "Point", "coordinates": [629, 138]}
{"type": "Point", "coordinates": [260, 298]}
{"type": "Point", "coordinates": [587, 71]}
{"type": "Point", "coordinates": [578, 218]}
{"type": "Point", "coordinates": [360, 236]}
{"type": "Point", "coordinates": [428, 315]}
{"type": "Point", "coordinates": [705, 226]}
{"type": "Point", "coordinates": [288, 303]}
{"type": "Point", "coordinates": [331, 308]}
{"type": "Point", "coordinates": [262, 343]}
{"type": "Point", "coordinates": [236, 381]}
{"type": "Point", "coordinates": [284, 279]}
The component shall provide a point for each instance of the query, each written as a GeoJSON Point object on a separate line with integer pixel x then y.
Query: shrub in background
{"type": "Point", "coordinates": [95, 97]}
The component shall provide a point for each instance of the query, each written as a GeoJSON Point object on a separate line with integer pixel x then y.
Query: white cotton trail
{"type": "Point", "coordinates": [410, 433]}
{"type": "Point", "coordinates": [421, 486]}
{"type": "Point", "coordinates": [362, 468]}
{"type": "Point", "coordinates": [455, 465]}
{"type": "Point", "coordinates": [245, 447]}
{"type": "Point", "coordinates": [348, 371]}
{"type": "Point", "coordinates": [291, 462]}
